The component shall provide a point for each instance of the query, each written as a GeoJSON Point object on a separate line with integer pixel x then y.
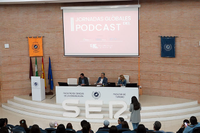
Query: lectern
{"type": "Point", "coordinates": [38, 88]}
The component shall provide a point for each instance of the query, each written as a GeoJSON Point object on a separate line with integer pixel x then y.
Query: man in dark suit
{"type": "Point", "coordinates": [83, 81]}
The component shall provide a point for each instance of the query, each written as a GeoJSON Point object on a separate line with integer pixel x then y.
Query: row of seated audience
{"type": "Point", "coordinates": [187, 127]}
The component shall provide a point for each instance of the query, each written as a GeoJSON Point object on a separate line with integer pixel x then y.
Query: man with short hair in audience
{"type": "Point", "coordinates": [157, 126]}
{"type": "Point", "coordinates": [120, 120]}
{"type": "Point", "coordinates": [106, 124]}
{"type": "Point", "coordinates": [185, 122]}
{"type": "Point", "coordinates": [193, 124]}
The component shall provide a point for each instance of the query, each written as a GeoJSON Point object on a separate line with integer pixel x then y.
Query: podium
{"type": "Point", "coordinates": [38, 88]}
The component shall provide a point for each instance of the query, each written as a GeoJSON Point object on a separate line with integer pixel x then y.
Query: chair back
{"type": "Point", "coordinates": [72, 81]}
{"type": "Point", "coordinates": [102, 132]}
{"type": "Point", "coordinates": [49, 130]}
{"type": "Point", "coordinates": [88, 80]}
{"type": "Point", "coordinates": [104, 129]}
{"type": "Point", "coordinates": [123, 129]}
{"type": "Point", "coordinates": [196, 130]}
{"type": "Point", "coordinates": [70, 131]}
{"type": "Point", "coordinates": [129, 131]}
{"type": "Point", "coordinates": [18, 131]}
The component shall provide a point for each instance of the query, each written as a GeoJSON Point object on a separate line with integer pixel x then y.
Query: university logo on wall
{"type": "Point", "coordinates": [35, 46]}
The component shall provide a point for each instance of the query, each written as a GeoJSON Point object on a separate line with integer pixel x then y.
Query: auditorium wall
{"type": "Point", "coordinates": [173, 77]}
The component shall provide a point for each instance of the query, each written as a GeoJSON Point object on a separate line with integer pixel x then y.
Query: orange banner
{"type": "Point", "coordinates": [35, 46]}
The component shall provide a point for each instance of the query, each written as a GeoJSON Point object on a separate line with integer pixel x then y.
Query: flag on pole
{"type": "Point", "coordinates": [36, 67]}
{"type": "Point", "coordinates": [31, 69]}
{"type": "Point", "coordinates": [43, 73]}
{"type": "Point", "coordinates": [50, 75]}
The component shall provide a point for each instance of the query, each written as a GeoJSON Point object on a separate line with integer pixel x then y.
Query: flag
{"type": "Point", "coordinates": [50, 75]}
{"type": "Point", "coordinates": [31, 69]}
{"type": "Point", "coordinates": [168, 46]}
{"type": "Point", "coordinates": [43, 73]}
{"type": "Point", "coordinates": [36, 68]}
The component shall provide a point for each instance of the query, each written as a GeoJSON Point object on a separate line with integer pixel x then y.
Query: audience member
{"type": "Point", "coordinates": [3, 130]}
{"type": "Point", "coordinates": [157, 126]}
{"type": "Point", "coordinates": [60, 129]}
{"type": "Point", "coordinates": [2, 122]}
{"type": "Point", "coordinates": [125, 124]}
{"type": "Point", "coordinates": [141, 129]}
{"type": "Point", "coordinates": [193, 124]}
{"type": "Point", "coordinates": [106, 124]}
{"type": "Point", "coordinates": [69, 126]}
{"type": "Point", "coordinates": [113, 129]}
{"type": "Point", "coordinates": [120, 120]}
{"type": "Point", "coordinates": [52, 124]}
{"type": "Point", "coordinates": [23, 124]}
{"type": "Point", "coordinates": [35, 129]}
{"type": "Point", "coordinates": [86, 128]}
{"type": "Point", "coordinates": [185, 122]}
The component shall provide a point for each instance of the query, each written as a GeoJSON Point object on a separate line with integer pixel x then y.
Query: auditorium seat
{"type": "Point", "coordinates": [18, 131]}
{"type": "Point", "coordinates": [72, 81]}
{"type": "Point", "coordinates": [49, 130]}
{"type": "Point", "coordinates": [70, 131]}
{"type": "Point", "coordinates": [103, 129]}
{"type": "Point", "coordinates": [102, 132]}
{"type": "Point", "coordinates": [196, 130]}
{"type": "Point", "coordinates": [129, 131]}
{"type": "Point", "coordinates": [122, 130]}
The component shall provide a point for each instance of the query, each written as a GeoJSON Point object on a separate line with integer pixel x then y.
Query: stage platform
{"type": "Point", "coordinates": [153, 108]}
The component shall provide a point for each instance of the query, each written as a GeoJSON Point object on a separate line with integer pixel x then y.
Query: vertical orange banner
{"type": "Point", "coordinates": [35, 46]}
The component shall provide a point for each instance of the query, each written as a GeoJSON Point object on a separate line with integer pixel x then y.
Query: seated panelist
{"type": "Point", "coordinates": [83, 80]}
{"type": "Point", "coordinates": [102, 80]}
{"type": "Point", "coordinates": [121, 81]}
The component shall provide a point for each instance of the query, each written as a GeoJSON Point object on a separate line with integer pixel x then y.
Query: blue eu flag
{"type": "Point", "coordinates": [168, 47]}
{"type": "Point", "coordinates": [50, 75]}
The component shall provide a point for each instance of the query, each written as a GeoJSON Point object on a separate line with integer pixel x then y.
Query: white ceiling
{"type": "Point", "coordinates": [49, 1]}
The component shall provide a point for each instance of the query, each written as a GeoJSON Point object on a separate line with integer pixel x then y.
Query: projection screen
{"type": "Point", "coordinates": [95, 31]}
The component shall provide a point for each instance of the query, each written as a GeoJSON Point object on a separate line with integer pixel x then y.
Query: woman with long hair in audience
{"type": "Point", "coordinates": [61, 129]}
{"type": "Point", "coordinates": [125, 125]}
{"type": "Point", "coordinates": [135, 108]}
{"type": "Point", "coordinates": [35, 129]}
{"type": "Point", "coordinates": [113, 129]}
{"type": "Point", "coordinates": [23, 124]}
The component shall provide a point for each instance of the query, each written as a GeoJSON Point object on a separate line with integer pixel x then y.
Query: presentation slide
{"type": "Point", "coordinates": [107, 31]}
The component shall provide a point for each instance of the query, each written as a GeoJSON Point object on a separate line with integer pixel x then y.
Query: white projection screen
{"type": "Point", "coordinates": [96, 31]}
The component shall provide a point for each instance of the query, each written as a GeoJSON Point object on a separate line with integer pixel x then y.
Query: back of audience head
{"type": "Point", "coordinates": [51, 124]}
{"type": "Point", "coordinates": [3, 130]}
{"type": "Point", "coordinates": [120, 120]}
{"type": "Point", "coordinates": [193, 120]}
{"type": "Point", "coordinates": [83, 122]}
{"type": "Point", "coordinates": [69, 126]}
{"type": "Point", "coordinates": [113, 129]}
{"type": "Point", "coordinates": [2, 122]}
{"type": "Point", "coordinates": [125, 124]}
{"type": "Point", "coordinates": [86, 127]}
{"type": "Point", "coordinates": [106, 123]}
{"type": "Point", "coordinates": [157, 125]}
{"type": "Point", "coordinates": [6, 121]}
{"type": "Point", "coordinates": [186, 121]}
{"type": "Point", "coordinates": [35, 129]}
{"type": "Point", "coordinates": [23, 123]}
{"type": "Point", "coordinates": [60, 129]}
{"type": "Point", "coordinates": [141, 128]}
